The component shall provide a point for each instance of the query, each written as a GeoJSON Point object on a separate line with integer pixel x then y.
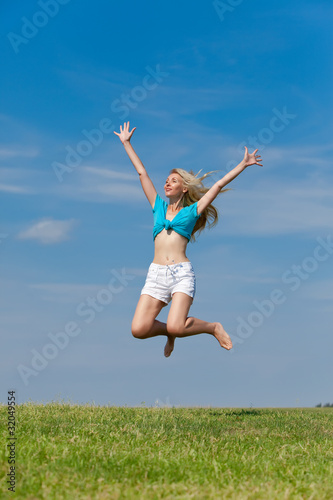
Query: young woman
{"type": "Point", "coordinates": [171, 274]}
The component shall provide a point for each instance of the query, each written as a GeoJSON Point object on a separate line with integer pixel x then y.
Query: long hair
{"type": "Point", "coordinates": [195, 191]}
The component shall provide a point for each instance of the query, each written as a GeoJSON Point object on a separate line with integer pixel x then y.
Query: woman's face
{"type": "Point", "coordinates": [174, 185]}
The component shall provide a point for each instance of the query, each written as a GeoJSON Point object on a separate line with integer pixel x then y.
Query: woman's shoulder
{"type": "Point", "coordinates": [193, 209]}
{"type": "Point", "coordinates": [159, 202]}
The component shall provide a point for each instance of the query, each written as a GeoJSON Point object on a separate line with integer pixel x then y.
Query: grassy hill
{"type": "Point", "coordinates": [65, 451]}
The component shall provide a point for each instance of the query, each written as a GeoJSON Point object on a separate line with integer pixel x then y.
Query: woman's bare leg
{"type": "Point", "coordinates": [179, 325]}
{"type": "Point", "coordinates": [158, 328]}
{"type": "Point", "coordinates": [144, 326]}
{"type": "Point", "coordinates": [195, 326]}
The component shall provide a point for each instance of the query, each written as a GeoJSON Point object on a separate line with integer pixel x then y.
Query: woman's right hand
{"type": "Point", "coordinates": [125, 134]}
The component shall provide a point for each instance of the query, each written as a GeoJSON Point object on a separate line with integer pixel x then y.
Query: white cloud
{"type": "Point", "coordinates": [110, 185]}
{"type": "Point", "coordinates": [67, 293]}
{"type": "Point", "coordinates": [48, 231]}
{"type": "Point", "coordinates": [10, 152]}
{"type": "Point", "coordinates": [274, 157]}
{"type": "Point", "coordinates": [15, 179]}
{"type": "Point", "coordinates": [110, 174]}
{"type": "Point", "coordinates": [76, 292]}
{"type": "Point", "coordinates": [10, 188]}
{"type": "Point", "coordinates": [107, 192]}
{"type": "Point", "coordinates": [275, 208]}
{"type": "Point", "coordinates": [67, 288]}
{"type": "Point", "coordinates": [101, 185]}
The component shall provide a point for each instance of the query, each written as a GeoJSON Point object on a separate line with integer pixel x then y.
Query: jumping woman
{"type": "Point", "coordinates": [171, 275]}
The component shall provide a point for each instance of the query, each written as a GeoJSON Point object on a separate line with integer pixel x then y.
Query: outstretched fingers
{"type": "Point", "coordinates": [258, 159]}
{"type": "Point", "coordinates": [117, 132]}
{"type": "Point", "coordinates": [125, 135]}
{"type": "Point", "coordinates": [252, 158]}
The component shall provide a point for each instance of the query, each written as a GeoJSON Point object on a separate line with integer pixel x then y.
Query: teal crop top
{"type": "Point", "coordinates": [183, 222]}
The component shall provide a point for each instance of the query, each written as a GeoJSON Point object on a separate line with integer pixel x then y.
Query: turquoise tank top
{"type": "Point", "coordinates": [183, 222]}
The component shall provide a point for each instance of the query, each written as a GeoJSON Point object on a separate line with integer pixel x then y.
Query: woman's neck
{"type": "Point", "coordinates": [175, 205]}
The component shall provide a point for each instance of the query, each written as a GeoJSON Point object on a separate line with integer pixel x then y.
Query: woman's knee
{"type": "Point", "coordinates": [147, 309]}
{"type": "Point", "coordinates": [174, 328]}
{"type": "Point", "coordinates": [139, 330]}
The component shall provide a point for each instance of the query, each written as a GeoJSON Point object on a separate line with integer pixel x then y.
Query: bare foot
{"type": "Point", "coordinates": [169, 346]}
{"type": "Point", "coordinates": [221, 335]}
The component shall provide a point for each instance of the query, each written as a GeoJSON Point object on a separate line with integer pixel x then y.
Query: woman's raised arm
{"type": "Point", "coordinates": [125, 136]}
{"type": "Point", "coordinates": [249, 159]}
{"type": "Point", "coordinates": [147, 185]}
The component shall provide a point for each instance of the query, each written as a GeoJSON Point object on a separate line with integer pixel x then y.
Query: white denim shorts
{"type": "Point", "coordinates": [163, 281]}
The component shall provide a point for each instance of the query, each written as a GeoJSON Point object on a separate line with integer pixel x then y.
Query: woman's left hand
{"type": "Point", "coordinates": [252, 158]}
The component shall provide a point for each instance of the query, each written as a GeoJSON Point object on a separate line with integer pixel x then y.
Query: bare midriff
{"type": "Point", "coordinates": [170, 248]}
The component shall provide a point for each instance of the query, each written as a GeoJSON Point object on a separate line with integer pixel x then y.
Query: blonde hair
{"type": "Point", "coordinates": [195, 191]}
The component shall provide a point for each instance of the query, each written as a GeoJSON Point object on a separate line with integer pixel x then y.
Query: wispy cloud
{"type": "Point", "coordinates": [29, 142]}
{"type": "Point", "coordinates": [110, 174]}
{"type": "Point", "coordinates": [10, 188]}
{"type": "Point", "coordinates": [74, 292]}
{"type": "Point", "coordinates": [20, 180]}
{"type": "Point", "coordinates": [65, 292]}
{"type": "Point", "coordinates": [317, 156]}
{"type": "Point", "coordinates": [101, 185]}
{"type": "Point", "coordinates": [278, 209]}
{"type": "Point", "coordinates": [48, 231]}
{"type": "Point", "coordinates": [99, 192]}
{"type": "Point", "coordinates": [17, 151]}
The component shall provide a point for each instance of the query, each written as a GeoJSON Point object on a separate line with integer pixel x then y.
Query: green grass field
{"type": "Point", "coordinates": [65, 451]}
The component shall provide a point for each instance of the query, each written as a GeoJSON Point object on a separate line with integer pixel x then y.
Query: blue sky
{"type": "Point", "coordinates": [76, 228]}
